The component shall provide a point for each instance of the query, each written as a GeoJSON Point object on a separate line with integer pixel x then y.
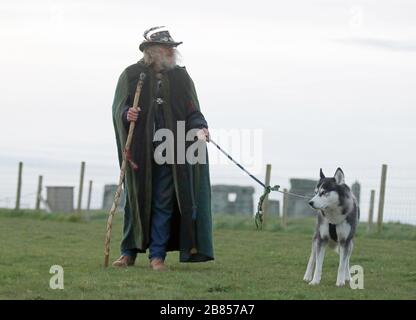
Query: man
{"type": "Point", "coordinates": [168, 205]}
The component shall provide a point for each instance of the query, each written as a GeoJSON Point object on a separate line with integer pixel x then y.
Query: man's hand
{"type": "Point", "coordinates": [132, 114]}
{"type": "Point", "coordinates": [203, 134]}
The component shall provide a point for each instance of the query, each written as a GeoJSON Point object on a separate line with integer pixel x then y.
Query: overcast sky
{"type": "Point", "coordinates": [329, 83]}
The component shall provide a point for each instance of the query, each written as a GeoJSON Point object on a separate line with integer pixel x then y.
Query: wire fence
{"type": "Point", "coordinates": [399, 202]}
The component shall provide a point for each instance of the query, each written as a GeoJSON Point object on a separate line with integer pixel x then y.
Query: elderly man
{"type": "Point", "coordinates": [168, 204]}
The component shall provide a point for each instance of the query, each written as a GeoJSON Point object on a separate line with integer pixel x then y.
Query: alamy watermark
{"type": "Point", "coordinates": [246, 145]}
{"type": "Point", "coordinates": [57, 280]}
{"type": "Point", "coordinates": [357, 277]}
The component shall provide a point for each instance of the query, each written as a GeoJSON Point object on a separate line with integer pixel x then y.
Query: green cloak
{"type": "Point", "coordinates": [180, 104]}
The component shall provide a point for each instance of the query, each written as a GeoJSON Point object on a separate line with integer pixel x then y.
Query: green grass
{"type": "Point", "coordinates": [249, 264]}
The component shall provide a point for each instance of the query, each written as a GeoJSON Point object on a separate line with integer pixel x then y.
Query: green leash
{"type": "Point", "coordinates": [258, 219]}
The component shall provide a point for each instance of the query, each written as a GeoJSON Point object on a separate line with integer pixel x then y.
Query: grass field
{"type": "Point", "coordinates": [249, 264]}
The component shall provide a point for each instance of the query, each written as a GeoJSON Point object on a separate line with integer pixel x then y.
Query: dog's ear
{"type": "Point", "coordinates": [339, 176]}
{"type": "Point", "coordinates": [321, 174]}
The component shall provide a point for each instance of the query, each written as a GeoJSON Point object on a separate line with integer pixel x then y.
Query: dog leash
{"type": "Point", "coordinates": [267, 189]}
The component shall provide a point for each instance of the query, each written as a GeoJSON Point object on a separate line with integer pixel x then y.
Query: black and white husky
{"type": "Point", "coordinates": [338, 215]}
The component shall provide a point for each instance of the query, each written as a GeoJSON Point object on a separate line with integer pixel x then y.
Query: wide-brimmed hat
{"type": "Point", "coordinates": [157, 35]}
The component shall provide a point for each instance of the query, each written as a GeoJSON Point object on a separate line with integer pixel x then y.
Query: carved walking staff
{"type": "Point", "coordinates": [126, 158]}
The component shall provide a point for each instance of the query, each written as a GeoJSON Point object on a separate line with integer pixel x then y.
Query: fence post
{"type": "Point", "coordinates": [39, 193]}
{"type": "Point", "coordinates": [266, 199]}
{"type": "Point", "coordinates": [19, 186]}
{"type": "Point", "coordinates": [283, 221]}
{"type": "Point", "coordinates": [89, 196]}
{"type": "Point", "coordinates": [371, 211]}
{"type": "Point", "coordinates": [381, 198]}
{"type": "Point", "coordinates": [81, 185]}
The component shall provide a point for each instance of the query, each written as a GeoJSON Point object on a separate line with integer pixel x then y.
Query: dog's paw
{"type": "Point", "coordinates": [307, 278]}
{"type": "Point", "coordinates": [340, 283]}
{"type": "Point", "coordinates": [314, 282]}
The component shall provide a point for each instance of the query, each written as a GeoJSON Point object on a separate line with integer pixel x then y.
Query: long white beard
{"type": "Point", "coordinates": [169, 63]}
{"type": "Point", "coordinates": [162, 61]}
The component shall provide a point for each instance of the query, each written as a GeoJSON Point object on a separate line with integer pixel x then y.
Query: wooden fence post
{"type": "Point", "coordinates": [266, 199]}
{"type": "Point", "coordinates": [381, 198]}
{"type": "Point", "coordinates": [19, 186]}
{"type": "Point", "coordinates": [39, 193]}
{"type": "Point", "coordinates": [283, 221]}
{"type": "Point", "coordinates": [89, 196]}
{"type": "Point", "coordinates": [371, 211]}
{"type": "Point", "coordinates": [81, 185]}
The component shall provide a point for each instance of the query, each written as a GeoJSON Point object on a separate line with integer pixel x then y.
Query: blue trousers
{"type": "Point", "coordinates": [162, 209]}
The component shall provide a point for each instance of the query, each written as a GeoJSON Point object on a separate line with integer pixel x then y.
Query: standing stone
{"type": "Point", "coordinates": [298, 207]}
{"type": "Point", "coordinates": [356, 190]}
{"type": "Point", "coordinates": [60, 199]}
{"type": "Point", "coordinates": [274, 208]}
{"type": "Point", "coordinates": [108, 197]}
{"type": "Point", "coordinates": [230, 199]}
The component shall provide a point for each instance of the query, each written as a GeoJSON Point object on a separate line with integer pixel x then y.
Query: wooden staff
{"type": "Point", "coordinates": [122, 172]}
